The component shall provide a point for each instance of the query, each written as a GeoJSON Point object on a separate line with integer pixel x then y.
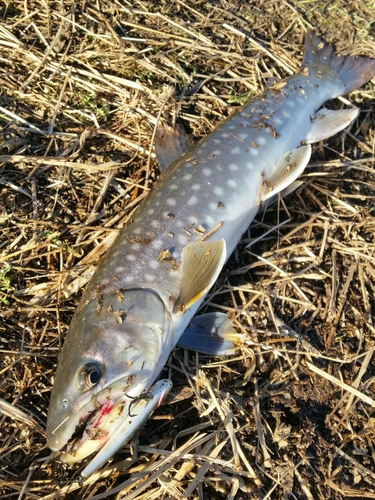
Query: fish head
{"type": "Point", "coordinates": [115, 348]}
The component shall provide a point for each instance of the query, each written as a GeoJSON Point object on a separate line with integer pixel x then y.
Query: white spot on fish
{"type": "Point", "coordinates": [243, 136]}
{"type": "Point", "coordinates": [278, 121]}
{"type": "Point", "coordinates": [236, 151]}
{"type": "Point", "coordinates": [261, 140]}
{"type": "Point", "coordinates": [171, 202]}
{"type": "Point", "coordinates": [224, 135]}
{"type": "Point", "coordinates": [150, 211]}
{"type": "Point", "coordinates": [250, 166]}
{"type": "Point", "coordinates": [254, 152]}
{"type": "Point", "coordinates": [130, 257]}
{"type": "Point", "coordinates": [192, 220]}
{"type": "Point", "coordinates": [206, 171]}
{"type": "Point", "coordinates": [210, 221]}
{"type": "Point", "coordinates": [291, 103]}
{"type": "Point", "coordinates": [154, 224]}
{"type": "Point", "coordinates": [181, 238]}
{"type": "Point", "coordinates": [213, 207]}
{"type": "Point", "coordinates": [233, 167]}
{"type": "Point", "coordinates": [218, 190]}
{"type": "Point", "coordinates": [232, 183]}
{"type": "Point", "coordinates": [187, 177]}
{"type": "Point", "coordinates": [195, 187]}
{"type": "Point", "coordinates": [153, 263]}
{"type": "Point", "coordinates": [193, 200]}
{"type": "Point", "coordinates": [173, 187]}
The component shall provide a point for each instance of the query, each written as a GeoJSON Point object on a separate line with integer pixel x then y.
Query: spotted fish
{"type": "Point", "coordinates": [150, 284]}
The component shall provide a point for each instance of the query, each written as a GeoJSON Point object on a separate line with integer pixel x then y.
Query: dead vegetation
{"type": "Point", "coordinates": [83, 85]}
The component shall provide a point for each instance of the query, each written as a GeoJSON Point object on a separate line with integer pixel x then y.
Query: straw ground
{"type": "Point", "coordinates": [83, 87]}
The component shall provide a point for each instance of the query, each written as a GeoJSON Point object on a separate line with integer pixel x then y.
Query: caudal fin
{"type": "Point", "coordinates": [354, 71]}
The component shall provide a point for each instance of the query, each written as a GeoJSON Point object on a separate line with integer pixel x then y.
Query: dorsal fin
{"type": "Point", "coordinates": [170, 143]}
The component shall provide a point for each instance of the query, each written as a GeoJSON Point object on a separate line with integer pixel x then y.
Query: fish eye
{"type": "Point", "coordinates": [93, 376]}
{"type": "Point", "coordinates": [89, 376]}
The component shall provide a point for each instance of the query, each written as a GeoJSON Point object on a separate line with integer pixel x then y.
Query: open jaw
{"type": "Point", "coordinates": [111, 425]}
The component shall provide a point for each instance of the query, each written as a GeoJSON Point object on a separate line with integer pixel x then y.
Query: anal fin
{"type": "Point", "coordinates": [290, 166]}
{"type": "Point", "coordinates": [327, 122]}
{"type": "Point", "coordinates": [211, 334]}
{"type": "Point", "coordinates": [201, 264]}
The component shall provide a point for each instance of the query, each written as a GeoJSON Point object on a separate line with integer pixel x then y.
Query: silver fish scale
{"type": "Point", "coordinates": [212, 187]}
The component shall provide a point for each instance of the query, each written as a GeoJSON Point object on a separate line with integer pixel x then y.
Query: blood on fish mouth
{"type": "Point", "coordinates": [88, 428]}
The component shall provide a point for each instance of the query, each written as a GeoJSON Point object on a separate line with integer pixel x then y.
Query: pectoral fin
{"type": "Point", "coordinates": [327, 122]}
{"type": "Point", "coordinates": [211, 334]}
{"type": "Point", "coordinates": [201, 264]}
{"type": "Point", "coordinates": [170, 143]}
{"type": "Point", "coordinates": [291, 165]}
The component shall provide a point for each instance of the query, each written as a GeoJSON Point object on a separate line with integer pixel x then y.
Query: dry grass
{"type": "Point", "coordinates": [83, 86]}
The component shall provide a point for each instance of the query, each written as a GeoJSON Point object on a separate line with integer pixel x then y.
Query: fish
{"type": "Point", "coordinates": [143, 297]}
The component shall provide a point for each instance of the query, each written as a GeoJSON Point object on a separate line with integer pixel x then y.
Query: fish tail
{"type": "Point", "coordinates": [353, 71]}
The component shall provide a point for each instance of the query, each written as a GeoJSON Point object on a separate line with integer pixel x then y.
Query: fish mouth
{"type": "Point", "coordinates": [91, 433]}
{"type": "Point", "coordinates": [111, 425]}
